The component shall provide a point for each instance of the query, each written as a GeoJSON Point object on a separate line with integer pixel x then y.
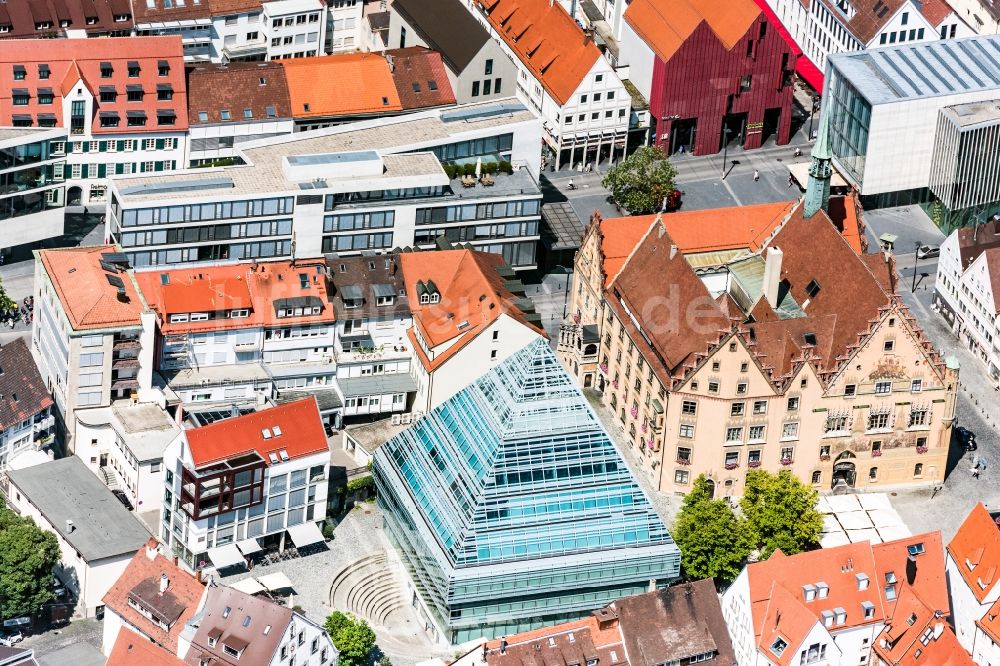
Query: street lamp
{"type": "Point", "coordinates": [725, 150]}
{"type": "Point", "coordinates": [916, 251]}
{"type": "Point", "coordinates": [812, 112]}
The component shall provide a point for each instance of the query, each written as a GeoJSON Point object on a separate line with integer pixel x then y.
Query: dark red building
{"type": "Point", "coordinates": [711, 70]}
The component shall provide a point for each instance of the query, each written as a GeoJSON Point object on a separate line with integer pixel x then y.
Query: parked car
{"type": "Point", "coordinates": [966, 438]}
{"type": "Point", "coordinates": [11, 639]}
{"type": "Point", "coordinates": [928, 252]}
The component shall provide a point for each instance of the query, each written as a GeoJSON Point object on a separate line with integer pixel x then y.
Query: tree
{"type": "Point", "coordinates": [351, 636]}
{"type": "Point", "coordinates": [642, 180]}
{"type": "Point", "coordinates": [712, 540]}
{"type": "Point", "coordinates": [6, 302]}
{"type": "Point", "coordinates": [27, 557]}
{"type": "Point", "coordinates": [780, 512]}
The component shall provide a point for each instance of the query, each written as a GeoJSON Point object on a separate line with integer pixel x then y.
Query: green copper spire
{"type": "Point", "coordinates": [818, 188]}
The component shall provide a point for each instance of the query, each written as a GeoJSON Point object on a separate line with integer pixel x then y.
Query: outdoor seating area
{"type": "Point", "coordinates": [246, 554]}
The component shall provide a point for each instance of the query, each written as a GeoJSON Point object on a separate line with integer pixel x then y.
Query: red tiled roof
{"type": "Point", "coordinates": [89, 300]}
{"type": "Point", "coordinates": [170, 10]}
{"type": "Point", "coordinates": [236, 87]}
{"type": "Point", "coordinates": [22, 389]}
{"type": "Point", "coordinates": [935, 11]}
{"type": "Point", "coordinates": [353, 84]}
{"type": "Point", "coordinates": [694, 231]}
{"type": "Point", "coordinates": [299, 424]}
{"type": "Point", "coordinates": [977, 542]}
{"type": "Point", "coordinates": [131, 649]}
{"type": "Point", "coordinates": [215, 289]}
{"type": "Point", "coordinates": [420, 77]}
{"type": "Point", "coordinates": [666, 24]}
{"type": "Point", "coordinates": [870, 16]}
{"type": "Point", "coordinates": [141, 580]}
{"type": "Point", "coordinates": [93, 16]}
{"type": "Point", "coordinates": [74, 60]}
{"type": "Point", "coordinates": [924, 573]}
{"type": "Point", "coordinates": [470, 290]}
{"type": "Point", "coordinates": [777, 584]}
{"type": "Point", "coordinates": [916, 635]}
{"type": "Point", "coordinates": [546, 40]}
{"type": "Point", "coordinates": [589, 641]}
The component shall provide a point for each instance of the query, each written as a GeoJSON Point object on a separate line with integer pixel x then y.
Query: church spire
{"type": "Point", "coordinates": [818, 188]}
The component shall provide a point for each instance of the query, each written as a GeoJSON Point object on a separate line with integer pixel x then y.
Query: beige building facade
{"type": "Point", "coordinates": [726, 341]}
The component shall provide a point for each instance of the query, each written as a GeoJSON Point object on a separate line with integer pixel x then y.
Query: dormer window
{"type": "Point", "coordinates": [133, 69]}
{"type": "Point", "coordinates": [43, 25]}
{"type": "Point", "coordinates": [106, 70]}
{"type": "Point", "coordinates": [425, 299]}
{"type": "Point", "coordinates": [121, 18]}
{"type": "Point", "coordinates": [239, 314]}
{"type": "Point", "coordinates": [231, 651]}
{"type": "Point", "coordinates": [435, 298]}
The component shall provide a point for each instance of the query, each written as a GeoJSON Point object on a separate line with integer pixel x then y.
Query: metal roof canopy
{"type": "Point", "coordinates": [305, 534]}
{"type": "Point", "coordinates": [226, 556]}
{"type": "Point", "coordinates": [276, 581]}
{"type": "Point", "coordinates": [248, 546]}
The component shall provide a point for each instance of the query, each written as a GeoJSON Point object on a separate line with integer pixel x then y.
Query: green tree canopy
{"type": "Point", "coordinates": [6, 302]}
{"type": "Point", "coordinates": [642, 180]}
{"type": "Point", "coordinates": [713, 543]}
{"type": "Point", "coordinates": [351, 636]}
{"type": "Point", "coordinates": [27, 557]}
{"type": "Point", "coordinates": [780, 512]}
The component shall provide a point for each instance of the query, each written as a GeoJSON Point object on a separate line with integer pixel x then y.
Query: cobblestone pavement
{"type": "Point", "coordinates": [81, 640]}
{"type": "Point", "coordinates": [358, 534]}
{"type": "Point", "coordinates": [978, 404]}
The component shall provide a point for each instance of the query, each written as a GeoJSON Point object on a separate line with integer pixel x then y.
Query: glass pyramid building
{"type": "Point", "coordinates": [511, 508]}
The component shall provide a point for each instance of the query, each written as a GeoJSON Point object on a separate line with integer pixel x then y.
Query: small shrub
{"type": "Point", "coordinates": [451, 170]}
{"type": "Point", "coordinates": [506, 167]}
{"type": "Point", "coordinates": [490, 168]}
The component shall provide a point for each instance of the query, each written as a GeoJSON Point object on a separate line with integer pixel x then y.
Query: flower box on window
{"type": "Point", "coordinates": [732, 465]}
{"type": "Point", "coordinates": [634, 412]}
{"type": "Point", "coordinates": [921, 449]}
{"type": "Point", "coordinates": [876, 453]}
{"type": "Point", "coordinates": [753, 464]}
{"type": "Point", "coordinates": [824, 458]}
{"type": "Point", "coordinates": [577, 317]}
{"type": "Point", "coordinates": [603, 367]}
{"type": "Point", "coordinates": [682, 461]}
{"type": "Point", "coordinates": [786, 461]}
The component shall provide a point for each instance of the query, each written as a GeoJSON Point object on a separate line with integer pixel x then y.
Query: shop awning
{"type": "Point", "coordinates": [226, 556]}
{"type": "Point", "coordinates": [249, 586]}
{"type": "Point", "coordinates": [249, 546]}
{"type": "Point", "coordinates": [276, 581]}
{"type": "Point", "coordinates": [305, 534]}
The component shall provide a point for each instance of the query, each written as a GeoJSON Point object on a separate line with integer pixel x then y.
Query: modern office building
{"type": "Point", "coordinates": [123, 106]}
{"type": "Point", "coordinates": [243, 483]}
{"type": "Point", "coordinates": [372, 185]}
{"type": "Point", "coordinates": [884, 105]}
{"type": "Point", "coordinates": [511, 508]}
{"type": "Point", "coordinates": [32, 193]}
{"type": "Point", "coordinates": [672, 47]}
{"type": "Point", "coordinates": [965, 166]}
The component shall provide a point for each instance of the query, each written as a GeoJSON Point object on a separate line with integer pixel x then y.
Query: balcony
{"type": "Point", "coordinates": [375, 353]}
{"type": "Point", "coordinates": [245, 50]}
{"type": "Point", "coordinates": [125, 344]}
{"type": "Point", "coordinates": [124, 363]}
{"type": "Point", "coordinates": [124, 385]}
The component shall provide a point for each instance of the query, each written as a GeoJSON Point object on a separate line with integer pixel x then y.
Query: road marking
{"type": "Point", "coordinates": [732, 193]}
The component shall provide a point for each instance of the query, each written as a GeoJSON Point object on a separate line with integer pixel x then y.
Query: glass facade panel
{"type": "Point", "coordinates": [850, 117]}
{"type": "Point", "coordinates": [509, 504]}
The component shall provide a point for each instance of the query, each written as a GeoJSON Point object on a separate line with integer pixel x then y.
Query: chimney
{"type": "Point", "coordinates": [151, 553]}
{"type": "Point", "coordinates": [69, 525]}
{"type": "Point", "coordinates": [772, 275]}
{"type": "Point", "coordinates": [164, 583]}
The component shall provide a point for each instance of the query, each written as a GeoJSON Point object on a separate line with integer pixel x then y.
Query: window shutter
{"type": "Point", "coordinates": [159, 144]}
{"type": "Point", "coordinates": [119, 168]}
{"type": "Point", "coordinates": [121, 145]}
{"type": "Point", "coordinates": [86, 146]}
{"type": "Point", "coordinates": [102, 146]}
{"type": "Point", "coordinates": [158, 166]}
{"type": "Point", "coordinates": [67, 171]}
{"type": "Point", "coordinates": [102, 170]}
{"type": "Point", "coordinates": [84, 169]}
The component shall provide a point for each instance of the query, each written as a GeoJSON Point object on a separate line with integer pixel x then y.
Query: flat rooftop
{"type": "Point", "coordinates": [65, 490]}
{"type": "Point", "coordinates": [389, 137]}
{"type": "Point", "coordinates": [973, 113]}
{"type": "Point", "coordinates": [922, 70]}
{"type": "Point", "coordinates": [146, 429]}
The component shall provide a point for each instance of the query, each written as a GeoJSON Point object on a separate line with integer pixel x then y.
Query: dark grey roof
{"type": "Point", "coordinates": [378, 21]}
{"type": "Point", "coordinates": [381, 290]}
{"type": "Point", "coordinates": [447, 27]}
{"type": "Point", "coordinates": [64, 490]}
{"type": "Point", "coordinates": [298, 302]}
{"type": "Point", "coordinates": [326, 399]}
{"type": "Point", "coordinates": [590, 333]}
{"type": "Point", "coordinates": [354, 277]}
{"type": "Point", "coordinates": [351, 291]}
{"type": "Point", "coordinates": [377, 385]}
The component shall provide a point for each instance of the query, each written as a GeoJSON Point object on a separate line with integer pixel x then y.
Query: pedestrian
{"type": "Point", "coordinates": [756, 175]}
{"type": "Point", "coordinates": [790, 180]}
{"type": "Point", "coordinates": [975, 472]}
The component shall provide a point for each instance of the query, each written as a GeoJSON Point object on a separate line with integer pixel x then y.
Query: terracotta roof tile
{"type": "Point", "coordinates": [353, 84]}
{"type": "Point", "coordinates": [22, 389]}
{"type": "Point", "coordinates": [130, 648]}
{"type": "Point", "coordinates": [141, 582]}
{"type": "Point", "coordinates": [977, 542]}
{"type": "Point", "coordinates": [90, 301]}
{"type": "Point", "coordinates": [236, 87]}
{"type": "Point", "coordinates": [217, 618]}
{"type": "Point", "coordinates": [914, 635]}
{"type": "Point", "coordinates": [168, 10]}
{"type": "Point", "coordinates": [666, 24]}
{"type": "Point", "coordinates": [570, 642]}
{"type": "Point", "coordinates": [654, 304]}
{"type": "Point", "coordinates": [214, 289]}
{"type": "Point", "coordinates": [870, 16]}
{"type": "Point", "coordinates": [924, 573]}
{"type": "Point", "coordinates": [973, 241]}
{"type": "Point", "coordinates": [299, 433]}
{"type": "Point", "coordinates": [472, 293]}
{"type": "Point", "coordinates": [546, 40]}
{"type": "Point", "coordinates": [73, 60]}
{"type": "Point", "coordinates": [420, 77]}
{"type": "Point", "coordinates": [23, 17]}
